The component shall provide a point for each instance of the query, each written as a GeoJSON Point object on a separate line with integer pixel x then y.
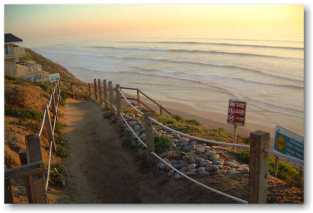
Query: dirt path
{"type": "Point", "coordinates": [100, 170]}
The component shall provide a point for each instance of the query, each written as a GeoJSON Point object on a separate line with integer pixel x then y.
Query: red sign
{"type": "Point", "coordinates": [236, 112]}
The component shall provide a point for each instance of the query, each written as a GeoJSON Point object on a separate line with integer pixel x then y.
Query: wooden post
{"type": "Point", "coordinates": [149, 132]}
{"type": "Point", "coordinates": [235, 136]}
{"type": "Point", "coordinates": [111, 95]}
{"type": "Point", "coordinates": [8, 198]}
{"type": "Point", "coordinates": [105, 94]}
{"type": "Point", "coordinates": [117, 100]}
{"type": "Point", "coordinates": [160, 109]}
{"type": "Point", "coordinates": [100, 91]}
{"type": "Point", "coordinates": [138, 97]}
{"type": "Point", "coordinates": [95, 88]}
{"type": "Point", "coordinates": [89, 90]}
{"type": "Point", "coordinates": [258, 166]}
{"type": "Point", "coordinates": [36, 183]}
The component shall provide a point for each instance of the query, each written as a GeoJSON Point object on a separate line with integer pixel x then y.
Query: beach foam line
{"type": "Point", "coordinates": [219, 44]}
{"type": "Point", "coordinates": [216, 52]}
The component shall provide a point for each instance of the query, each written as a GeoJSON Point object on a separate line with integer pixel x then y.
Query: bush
{"type": "Point", "coordinates": [23, 113]}
{"type": "Point", "coordinates": [162, 144]}
{"type": "Point", "coordinates": [57, 175]}
{"type": "Point", "coordinates": [242, 156]}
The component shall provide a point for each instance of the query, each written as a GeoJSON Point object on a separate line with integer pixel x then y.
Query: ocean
{"type": "Point", "coordinates": [203, 73]}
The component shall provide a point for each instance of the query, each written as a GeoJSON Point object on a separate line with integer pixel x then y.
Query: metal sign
{"type": "Point", "coordinates": [236, 112]}
{"type": "Point", "coordinates": [289, 145]}
{"type": "Point", "coordinates": [54, 77]}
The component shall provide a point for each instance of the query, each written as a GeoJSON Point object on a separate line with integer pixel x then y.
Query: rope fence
{"type": "Point", "coordinates": [32, 163]}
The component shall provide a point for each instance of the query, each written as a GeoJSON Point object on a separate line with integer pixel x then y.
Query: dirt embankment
{"type": "Point", "coordinates": [24, 106]}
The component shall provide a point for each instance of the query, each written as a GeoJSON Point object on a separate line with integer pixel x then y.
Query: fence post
{"type": "Point", "coordinates": [117, 100]}
{"type": "Point", "coordinates": [111, 95]}
{"type": "Point", "coordinates": [258, 166]}
{"type": "Point", "coordinates": [8, 191]}
{"type": "Point", "coordinates": [36, 183]}
{"type": "Point", "coordinates": [100, 91]}
{"type": "Point", "coordinates": [138, 97]}
{"type": "Point", "coordinates": [105, 94]}
{"type": "Point", "coordinates": [89, 90]}
{"type": "Point", "coordinates": [95, 88]}
{"type": "Point", "coordinates": [149, 132]}
{"type": "Point", "coordinates": [161, 111]}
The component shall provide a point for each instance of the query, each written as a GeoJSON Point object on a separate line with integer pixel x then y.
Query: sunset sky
{"type": "Point", "coordinates": [40, 23]}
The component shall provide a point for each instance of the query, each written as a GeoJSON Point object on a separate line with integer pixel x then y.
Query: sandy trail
{"type": "Point", "coordinates": [100, 170]}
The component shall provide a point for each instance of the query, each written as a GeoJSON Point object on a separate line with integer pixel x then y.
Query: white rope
{"type": "Point", "coordinates": [179, 172]}
{"type": "Point", "coordinates": [129, 103]}
{"type": "Point", "coordinates": [42, 123]}
{"type": "Point", "coordinates": [197, 182]}
{"type": "Point", "coordinates": [184, 134]}
{"type": "Point", "coordinates": [133, 131]}
{"type": "Point", "coordinates": [49, 163]}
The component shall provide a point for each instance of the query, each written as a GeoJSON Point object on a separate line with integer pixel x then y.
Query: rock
{"type": "Point", "coordinates": [192, 166]}
{"type": "Point", "coordinates": [178, 164]}
{"type": "Point", "coordinates": [244, 168]}
{"type": "Point", "coordinates": [199, 148]}
{"type": "Point", "coordinates": [191, 172]}
{"type": "Point", "coordinates": [212, 156]}
{"type": "Point", "coordinates": [203, 163]}
{"type": "Point", "coordinates": [232, 164]}
{"type": "Point", "coordinates": [202, 171]}
{"type": "Point", "coordinates": [177, 176]}
{"type": "Point", "coordinates": [186, 147]}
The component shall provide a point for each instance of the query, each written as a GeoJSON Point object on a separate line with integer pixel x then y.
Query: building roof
{"type": "Point", "coordinates": [9, 38]}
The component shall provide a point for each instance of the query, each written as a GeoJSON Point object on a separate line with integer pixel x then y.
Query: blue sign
{"type": "Point", "coordinates": [54, 77]}
{"type": "Point", "coordinates": [289, 145]}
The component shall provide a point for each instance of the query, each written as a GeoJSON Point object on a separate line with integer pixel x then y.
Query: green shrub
{"type": "Point", "coordinates": [57, 175]}
{"type": "Point", "coordinates": [193, 122]}
{"type": "Point", "coordinates": [242, 156]}
{"type": "Point", "coordinates": [162, 144]}
{"type": "Point", "coordinates": [23, 113]}
{"type": "Point", "coordinates": [45, 86]}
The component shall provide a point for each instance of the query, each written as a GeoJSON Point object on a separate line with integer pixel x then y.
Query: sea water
{"type": "Point", "coordinates": [203, 74]}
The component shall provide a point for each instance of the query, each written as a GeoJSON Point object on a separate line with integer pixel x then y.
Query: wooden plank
{"type": "Point", "coordinates": [95, 89]}
{"type": "Point", "coordinates": [8, 197]}
{"type": "Point", "coordinates": [111, 95]}
{"type": "Point", "coordinates": [118, 100]}
{"type": "Point", "coordinates": [105, 94]}
{"type": "Point", "coordinates": [149, 132]}
{"type": "Point", "coordinates": [258, 166]}
{"type": "Point", "coordinates": [89, 90]}
{"type": "Point", "coordinates": [100, 91]}
{"type": "Point", "coordinates": [36, 182]}
{"type": "Point", "coordinates": [25, 170]}
{"type": "Point", "coordinates": [128, 88]}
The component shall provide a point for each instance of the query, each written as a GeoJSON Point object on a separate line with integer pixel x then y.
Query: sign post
{"type": "Point", "coordinates": [236, 115]}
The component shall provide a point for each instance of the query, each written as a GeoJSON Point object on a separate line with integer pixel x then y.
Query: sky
{"type": "Point", "coordinates": [57, 23]}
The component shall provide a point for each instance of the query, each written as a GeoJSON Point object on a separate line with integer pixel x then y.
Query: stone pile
{"type": "Point", "coordinates": [192, 157]}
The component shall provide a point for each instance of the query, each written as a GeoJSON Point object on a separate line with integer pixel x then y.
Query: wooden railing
{"type": "Point", "coordinates": [259, 145]}
{"type": "Point", "coordinates": [33, 170]}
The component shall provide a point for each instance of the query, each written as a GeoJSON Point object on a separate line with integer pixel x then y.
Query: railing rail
{"type": "Point", "coordinates": [32, 168]}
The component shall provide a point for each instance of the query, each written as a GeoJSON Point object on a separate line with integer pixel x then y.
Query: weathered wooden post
{"type": "Point", "coordinates": [36, 183]}
{"type": "Point", "coordinates": [161, 109]}
{"type": "Point", "coordinates": [111, 95]}
{"type": "Point", "coordinates": [138, 97]}
{"type": "Point", "coordinates": [100, 91]}
{"type": "Point", "coordinates": [117, 100]}
{"type": "Point", "coordinates": [8, 198]}
{"type": "Point", "coordinates": [258, 166]}
{"type": "Point", "coordinates": [105, 94]}
{"type": "Point", "coordinates": [149, 132]}
{"type": "Point", "coordinates": [89, 90]}
{"type": "Point", "coordinates": [95, 88]}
